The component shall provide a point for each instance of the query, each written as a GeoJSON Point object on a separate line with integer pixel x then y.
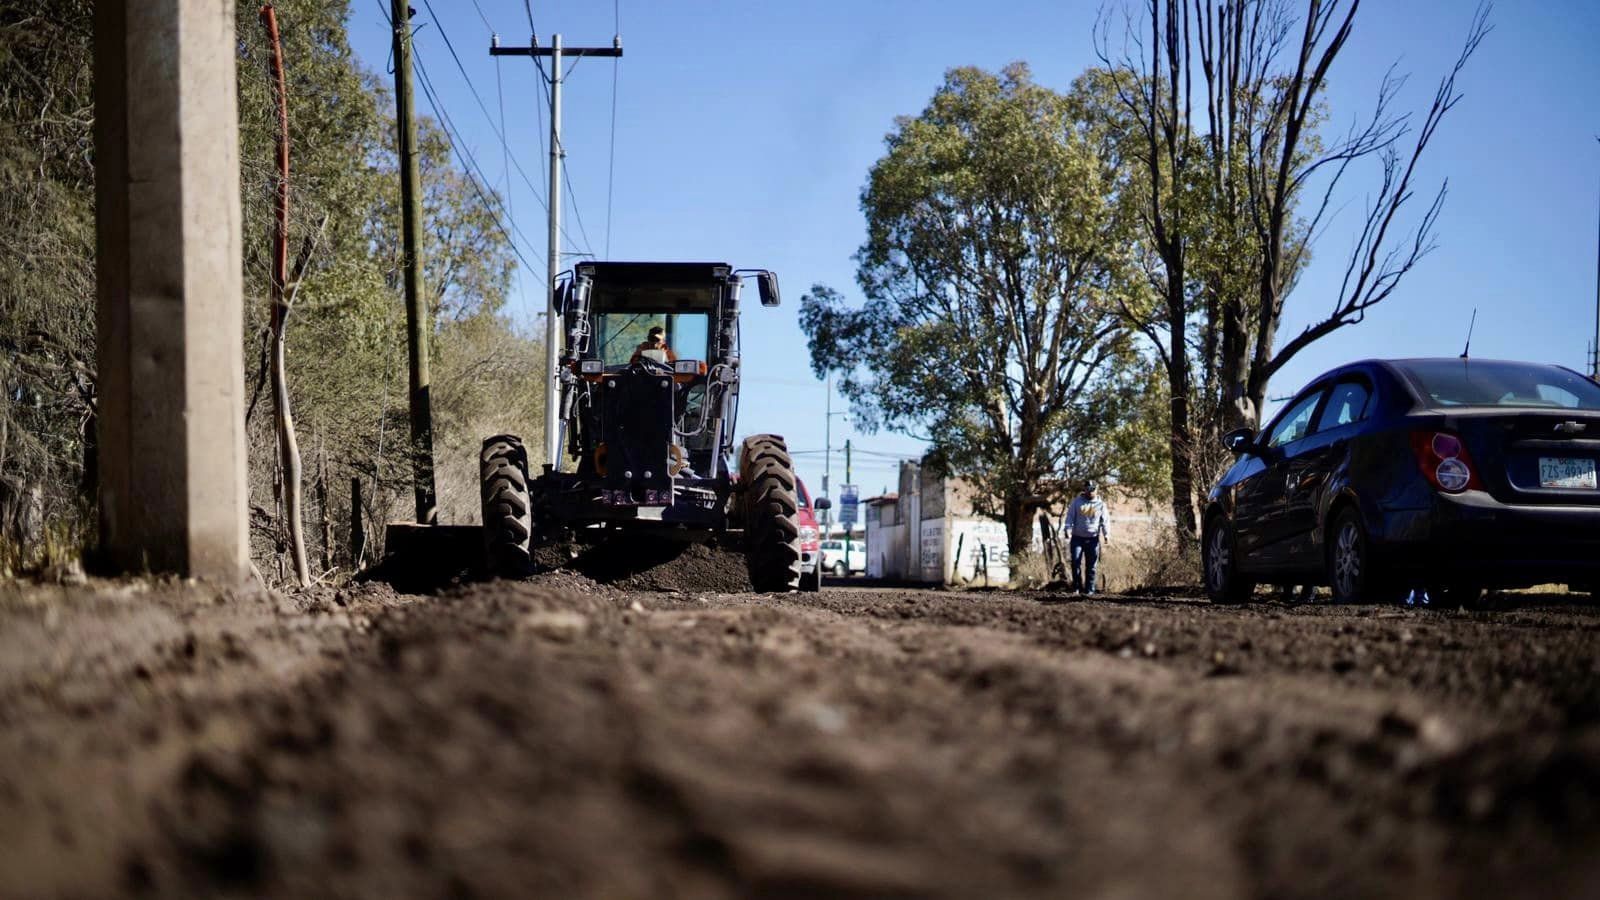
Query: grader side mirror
{"type": "Point", "coordinates": [767, 284]}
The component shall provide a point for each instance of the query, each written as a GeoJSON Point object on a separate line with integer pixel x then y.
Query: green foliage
{"type": "Point", "coordinates": [993, 270]}
{"type": "Point", "coordinates": [47, 283]}
{"type": "Point", "coordinates": [346, 336]}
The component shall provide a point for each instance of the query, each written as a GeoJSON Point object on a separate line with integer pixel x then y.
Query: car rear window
{"type": "Point", "coordinates": [1446, 382]}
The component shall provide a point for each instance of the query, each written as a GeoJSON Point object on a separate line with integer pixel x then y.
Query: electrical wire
{"type": "Point", "coordinates": [499, 132]}
{"type": "Point", "coordinates": [611, 166]}
{"type": "Point", "coordinates": [572, 196]}
{"type": "Point", "coordinates": [457, 146]}
{"type": "Point", "coordinates": [469, 163]}
{"type": "Point", "coordinates": [505, 146]}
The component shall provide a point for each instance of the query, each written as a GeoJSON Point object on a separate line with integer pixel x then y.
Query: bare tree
{"type": "Point", "coordinates": [1153, 88]}
{"type": "Point", "coordinates": [1219, 194]}
{"type": "Point", "coordinates": [1281, 163]}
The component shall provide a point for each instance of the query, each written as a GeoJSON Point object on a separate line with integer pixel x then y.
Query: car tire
{"type": "Point", "coordinates": [1353, 574]}
{"type": "Point", "coordinates": [1219, 564]}
{"type": "Point", "coordinates": [838, 570]}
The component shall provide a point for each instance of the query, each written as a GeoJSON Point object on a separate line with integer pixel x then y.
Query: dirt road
{"type": "Point", "coordinates": [562, 738]}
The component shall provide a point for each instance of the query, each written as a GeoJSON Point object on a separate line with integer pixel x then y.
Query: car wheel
{"type": "Point", "coordinates": [1220, 562]}
{"type": "Point", "coordinates": [838, 570]}
{"type": "Point", "coordinates": [1352, 572]}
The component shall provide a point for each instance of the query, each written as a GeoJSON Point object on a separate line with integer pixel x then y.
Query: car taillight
{"type": "Point", "coordinates": [1444, 461]}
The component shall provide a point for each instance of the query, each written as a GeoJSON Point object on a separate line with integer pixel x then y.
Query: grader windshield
{"type": "Point", "coordinates": [619, 334]}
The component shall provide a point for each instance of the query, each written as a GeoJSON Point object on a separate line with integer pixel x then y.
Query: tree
{"type": "Point", "coordinates": [1219, 193]}
{"type": "Point", "coordinates": [345, 340]}
{"type": "Point", "coordinates": [47, 288]}
{"type": "Point", "coordinates": [992, 258]}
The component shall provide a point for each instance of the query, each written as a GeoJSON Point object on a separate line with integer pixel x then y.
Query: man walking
{"type": "Point", "coordinates": [1085, 527]}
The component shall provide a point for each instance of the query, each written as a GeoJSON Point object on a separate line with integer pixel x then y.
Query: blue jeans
{"type": "Point", "coordinates": [1085, 554]}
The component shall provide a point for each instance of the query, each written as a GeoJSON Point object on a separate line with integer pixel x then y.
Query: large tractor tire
{"type": "Point", "coordinates": [507, 512]}
{"type": "Point", "coordinates": [771, 513]}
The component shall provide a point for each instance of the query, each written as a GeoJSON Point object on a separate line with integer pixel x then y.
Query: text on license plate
{"type": "Point", "coordinates": [1562, 472]}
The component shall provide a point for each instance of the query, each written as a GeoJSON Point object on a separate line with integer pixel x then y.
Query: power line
{"type": "Point", "coordinates": [457, 146]}
{"type": "Point", "coordinates": [498, 132]}
{"type": "Point", "coordinates": [572, 195]}
{"type": "Point", "coordinates": [505, 146]}
{"type": "Point", "coordinates": [468, 162]}
{"type": "Point", "coordinates": [611, 166]}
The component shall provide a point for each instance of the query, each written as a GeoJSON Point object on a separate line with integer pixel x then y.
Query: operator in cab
{"type": "Point", "coordinates": [655, 347]}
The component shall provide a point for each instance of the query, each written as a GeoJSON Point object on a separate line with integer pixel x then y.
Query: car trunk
{"type": "Point", "coordinates": [1538, 456]}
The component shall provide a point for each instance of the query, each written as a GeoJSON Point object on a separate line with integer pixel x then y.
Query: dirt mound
{"type": "Point", "coordinates": [641, 563]}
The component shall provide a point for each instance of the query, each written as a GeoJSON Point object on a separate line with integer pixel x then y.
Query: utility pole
{"type": "Point", "coordinates": [827, 449]}
{"type": "Point", "coordinates": [418, 323]}
{"type": "Point", "coordinates": [1594, 365]}
{"type": "Point", "coordinates": [552, 319]}
{"type": "Point", "coordinates": [827, 452]}
{"type": "Point", "coordinates": [851, 526]}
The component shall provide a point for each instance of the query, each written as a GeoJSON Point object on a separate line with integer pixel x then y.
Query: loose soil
{"type": "Point", "coordinates": [565, 737]}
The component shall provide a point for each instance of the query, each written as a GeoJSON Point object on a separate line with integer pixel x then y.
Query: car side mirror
{"type": "Point", "coordinates": [822, 503]}
{"type": "Point", "coordinates": [1240, 441]}
{"type": "Point", "coordinates": [767, 286]}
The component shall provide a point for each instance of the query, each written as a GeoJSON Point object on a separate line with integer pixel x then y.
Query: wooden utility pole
{"type": "Point", "coordinates": [419, 323]}
{"type": "Point", "coordinates": [322, 507]}
{"type": "Point", "coordinates": [552, 335]}
{"type": "Point", "coordinates": [358, 533]}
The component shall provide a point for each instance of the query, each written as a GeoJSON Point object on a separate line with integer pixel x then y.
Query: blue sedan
{"type": "Point", "coordinates": [1387, 476]}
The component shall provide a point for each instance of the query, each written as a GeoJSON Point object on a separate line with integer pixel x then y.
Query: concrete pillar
{"type": "Point", "coordinates": [171, 363]}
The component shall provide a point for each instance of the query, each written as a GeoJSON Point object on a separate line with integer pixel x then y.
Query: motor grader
{"type": "Point", "coordinates": [645, 427]}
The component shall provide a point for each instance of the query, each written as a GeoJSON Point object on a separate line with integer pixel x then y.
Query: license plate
{"type": "Point", "coordinates": [1561, 472]}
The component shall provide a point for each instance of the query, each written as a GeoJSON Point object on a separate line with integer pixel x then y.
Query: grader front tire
{"type": "Point", "coordinates": [772, 508]}
{"type": "Point", "coordinates": [507, 511]}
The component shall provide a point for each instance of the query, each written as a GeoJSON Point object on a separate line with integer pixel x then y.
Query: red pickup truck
{"type": "Point", "coordinates": [810, 540]}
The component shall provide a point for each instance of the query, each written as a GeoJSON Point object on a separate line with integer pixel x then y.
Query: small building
{"type": "Point", "coordinates": [929, 532]}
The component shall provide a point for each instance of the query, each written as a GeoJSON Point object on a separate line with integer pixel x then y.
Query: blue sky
{"type": "Point", "coordinates": [745, 130]}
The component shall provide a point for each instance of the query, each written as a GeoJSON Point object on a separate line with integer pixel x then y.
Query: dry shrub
{"type": "Point", "coordinates": [1156, 561]}
{"type": "Point", "coordinates": [1029, 569]}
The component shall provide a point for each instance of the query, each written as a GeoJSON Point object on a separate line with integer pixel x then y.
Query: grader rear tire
{"type": "Point", "coordinates": [507, 512]}
{"type": "Point", "coordinates": [771, 513]}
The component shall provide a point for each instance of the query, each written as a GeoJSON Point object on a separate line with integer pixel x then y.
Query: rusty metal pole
{"type": "Point", "coordinates": [283, 417]}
